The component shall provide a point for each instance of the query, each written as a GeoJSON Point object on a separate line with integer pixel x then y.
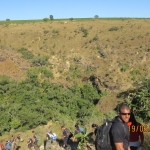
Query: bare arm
{"type": "Point", "coordinates": [119, 146]}
{"type": "Point", "coordinates": [129, 148]}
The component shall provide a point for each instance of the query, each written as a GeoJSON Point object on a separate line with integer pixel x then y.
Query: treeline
{"type": "Point", "coordinates": [35, 100]}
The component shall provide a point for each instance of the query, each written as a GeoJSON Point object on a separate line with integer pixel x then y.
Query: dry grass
{"type": "Point", "coordinates": [63, 41]}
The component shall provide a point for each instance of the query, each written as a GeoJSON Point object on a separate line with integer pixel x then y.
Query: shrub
{"type": "Point", "coordinates": [40, 61]}
{"type": "Point", "coordinates": [71, 19]}
{"type": "Point", "coordinates": [55, 31]}
{"type": "Point", "coordinates": [85, 32]}
{"type": "Point", "coordinates": [95, 38]}
{"type": "Point", "coordinates": [139, 99]}
{"type": "Point", "coordinates": [135, 72]}
{"type": "Point", "coordinates": [45, 19]}
{"type": "Point", "coordinates": [46, 31]}
{"type": "Point", "coordinates": [25, 53]}
{"type": "Point", "coordinates": [124, 68]}
{"type": "Point", "coordinates": [113, 29]}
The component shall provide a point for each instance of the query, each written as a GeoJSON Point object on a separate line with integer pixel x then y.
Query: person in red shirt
{"type": "Point", "coordinates": [2, 146]}
{"type": "Point", "coordinates": [136, 133]}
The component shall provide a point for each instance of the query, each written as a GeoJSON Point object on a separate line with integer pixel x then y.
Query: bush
{"type": "Point", "coordinates": [41, 101]}
{"type": "Point", "coordinates": [113, 29]}
{"type": "Point", "coordinates": [85, 32]}
{"type": "Point", "coordinates": [139, 100]}
{"type": "Point", "coordinates": [71, 19]}
{"type": "Point", "coordinates": [25, 53]}
{"type": "Point", "coordinates": [95, 38]}
{"type": "Point", "coordinates": [46, 19]}
{"type": "Point", "coordinates": [40, 61]}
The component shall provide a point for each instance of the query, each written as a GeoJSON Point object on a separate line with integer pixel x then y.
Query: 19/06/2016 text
{"type": "Point", "coordinates": [141, 128]}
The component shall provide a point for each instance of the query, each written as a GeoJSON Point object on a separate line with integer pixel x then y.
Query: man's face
{"type": "Point", "coordinates": [124, 115]}
{"type": "Point", "coordinates": [63, 128]}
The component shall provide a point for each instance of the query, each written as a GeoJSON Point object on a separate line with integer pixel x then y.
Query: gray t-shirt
{"type": "Point", "coordinates": [119, 133]}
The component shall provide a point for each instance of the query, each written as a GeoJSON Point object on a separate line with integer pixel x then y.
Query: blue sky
{"type": "Point", "coordinates": [39, 9]}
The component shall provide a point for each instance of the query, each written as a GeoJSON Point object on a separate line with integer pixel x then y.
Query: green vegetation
{"type": "Point", "coordinates": [25, 53]}
{"type": "Point", "coordinates": [84, 138]}
{"type": "Point", "coordinates": [34, 101]}
{"type": "Point", "coordinates": [40, 61]}
{"type": "Point", "coordinates": [113, 29]}
{"type": "Point", "coordinates": [138, 99]}
{"type": "Point", "coordinates": [45, 19]}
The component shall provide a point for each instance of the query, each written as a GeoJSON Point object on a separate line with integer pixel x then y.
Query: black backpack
{"type": "Point", "coordinates": [103, 137]}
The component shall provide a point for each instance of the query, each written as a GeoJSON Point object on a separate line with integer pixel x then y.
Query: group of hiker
{"type": "Point", "coordinates": [117, 134]}
{"type": "Point", "coordinates": [122, 133]}
{"type": "Point", "coordinates": [11, 144]}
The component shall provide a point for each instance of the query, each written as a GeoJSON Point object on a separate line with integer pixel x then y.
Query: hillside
{"type": "Point", "coordinates": [115, 52]}
{"type": "Point", "coordinates": [112, 55]}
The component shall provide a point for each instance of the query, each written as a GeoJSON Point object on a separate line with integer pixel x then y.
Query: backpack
{"type": "Point", "coordinates": [103, 136]}
{"type": "Point", "coordinates": [52, 135]}
{"type": "Point", "coordinates": [8, 144]}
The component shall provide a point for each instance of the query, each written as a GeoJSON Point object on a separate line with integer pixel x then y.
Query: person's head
{"type": "Point", "coordinates": [124, 113]}
{"type": "Point", "coordinates": [50, 132]}
{"type": "Point", "coordinates": [33, 132]}
{"type": "Point", "coordinates": [76, 126]}
{"type": "Point", "coordinates": [94, 126]}
{"type": "Point", "coordinates": [132, 119]}
{"type": "Point", "coordinates": [63, 127]}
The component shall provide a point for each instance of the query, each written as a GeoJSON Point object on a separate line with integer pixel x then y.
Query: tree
{"type": "Point", "coordinates": [7, 19]}
{"type": "Point", "coordinates": [51, 17]}
{"type": "Point", "coordinates": [71, 19]}
{"type": "Point", "coordinates": [96, 16]}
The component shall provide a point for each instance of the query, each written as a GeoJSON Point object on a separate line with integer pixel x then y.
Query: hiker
{"type": "Point", "coordinates": [12, 139]}
{"type": "Point", "coordinates": [77, 130]}
{"type": "Point", "coordinates": [8, 145]}
{"type": "Point", "coordinates": [136, 133]}
{"type": "Point", "coordinates": [35, 141]}
{"type": "Point", "coordinates": [13, 145]}
{"type": "Point", "coordinates": [17, 141]}
{"type": "Point", "coordinates": [67, 135]}
{"type": "Point", "coordinates": [95, 126]}
{"type": "Point", "coordinates": [18, 137]}
{"type": "Point", "coordinates": [30, 144]}
{"type": "Point", "coordinates": [119, 133]}
{"type": "Point", "coordinates": [2, 146]}
{"type": "Point", "coordinates": [51, 136]}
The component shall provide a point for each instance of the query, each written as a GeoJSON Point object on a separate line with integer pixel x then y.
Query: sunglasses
{"type": "Point", "coordinates": [125, 114]}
